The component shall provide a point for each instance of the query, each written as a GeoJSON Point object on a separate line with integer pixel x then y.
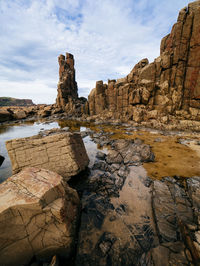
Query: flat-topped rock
{"type": "Point", "coordinates": [63, 153]}
{"type": "Point", "coordinates": [38, 214]}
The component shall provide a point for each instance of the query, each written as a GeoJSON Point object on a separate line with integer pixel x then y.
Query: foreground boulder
{"type": "Point", "coordinates": [38, 215]}
{"type": "Point", "coordinates": [62, 153]}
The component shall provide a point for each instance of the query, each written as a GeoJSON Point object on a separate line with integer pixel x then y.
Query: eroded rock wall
{"type": "Point", "coordinates": [170, 86]}
{"type": "Point", "coordinates": [62, 153]}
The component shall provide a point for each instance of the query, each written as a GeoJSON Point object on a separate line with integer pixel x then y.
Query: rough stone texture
{"type": "Point", "coordinates": [129, 219]}
{"type": "Point", "coordinates": [67, 98]}
{"type": "Point", "coordinates": [62, 153]}
{"type": "Point", "coordinates": [67, 86]}
{"type": "Point", "coordinates": [117, 221]}
{"type": "Point", "coordinates": [169, 87]}
{"type": "Point", "coordinates": [38, 215]}
{"type": "Point", "coordinates": [176, 213]}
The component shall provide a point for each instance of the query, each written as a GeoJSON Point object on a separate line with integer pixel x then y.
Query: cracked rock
{"type": "Point", "coordinates": [63, 153]}
{"type": "Point", "coordinates": [38, 217]}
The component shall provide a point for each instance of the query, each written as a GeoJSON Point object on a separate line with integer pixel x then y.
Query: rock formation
{"type": "Point", "coordinates": [62, 153]}
{"type": "Point", "coordinates": [38, 215]}
{"type": "Point", "coordinates": [130, 219]}
{"type": "Point", "coordinates": [67, 98]}
{"type": "Point", "coordinates": [169, 87]}
{"type": "Point", "coordinates": [67, 86]}
{"type": "Point", "coordinates": [8, 101]}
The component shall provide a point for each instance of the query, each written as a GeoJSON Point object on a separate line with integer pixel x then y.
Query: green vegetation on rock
{"type": "Point", "coordinates": [8, 101]}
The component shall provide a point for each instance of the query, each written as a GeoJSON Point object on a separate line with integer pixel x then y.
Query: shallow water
{"type": "Point", "coordinates": [171, 157]}
{"type": "Point", "coordinates": [13, 131]}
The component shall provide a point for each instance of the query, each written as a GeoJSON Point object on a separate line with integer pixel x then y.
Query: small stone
{"type": "Point", "coordinates": [100, 155]}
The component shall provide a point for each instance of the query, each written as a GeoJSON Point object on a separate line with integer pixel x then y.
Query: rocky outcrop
{"type": "Point", "coordinates": [62, 153]}
{"type": "Point", "coordinates": [38, 216]}
{"type": "Point", "coordinates": [67, 86]}
{"type": "Point", "coordinates": [129, 219]}
{"type": "Point", "coordinates": [8, 101]}
{"type": "Point", "coordinates": [165, 89]}
{"type": "Point", "coordinates": [67, 98]}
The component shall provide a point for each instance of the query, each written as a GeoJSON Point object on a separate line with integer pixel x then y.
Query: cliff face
{"type": "Point", "coordinates": [170, 86]}
{"type": "Point", "coordinates": [7, 101]}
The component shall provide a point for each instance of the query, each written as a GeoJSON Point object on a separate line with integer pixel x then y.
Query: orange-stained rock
{"type": "Point", "coordinates": [169, 84]}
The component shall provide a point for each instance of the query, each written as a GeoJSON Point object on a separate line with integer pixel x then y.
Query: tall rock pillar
{"type": "Point", "coordinates": [67, 86]}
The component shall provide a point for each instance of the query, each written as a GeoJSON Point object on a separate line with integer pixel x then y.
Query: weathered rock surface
{"type": "Point", "coordinates": [62, 153]}
{"type": "Point", "coordinates": [38, 216]}
{"type": "Point", "coordinates": [167, 89]}
{"type": "Point", "coordinates": [129, 219]}
{"type": "Point", "coordinates": [1, 160]}
{"type": "Point", "coordinates": [67, 98]}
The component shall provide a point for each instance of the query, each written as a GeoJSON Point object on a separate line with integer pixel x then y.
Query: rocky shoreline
{"type": "Point", "coordinates": [58, 208]}
{"type": "Point", "coordinates": [125, 217]}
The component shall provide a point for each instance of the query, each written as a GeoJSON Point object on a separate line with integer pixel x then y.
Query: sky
{"type": "Point", "coordinates": [106, 37]}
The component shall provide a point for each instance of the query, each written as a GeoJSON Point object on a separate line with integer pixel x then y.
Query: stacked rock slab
{"type": "Point", "coordinates": [38, 216]}
{"type": "Point", "coordinates": [62, 153]}
{"type": "Point", "coordinates": [67, 86]}
{"type": "Point", "coordinates": [170, 86]}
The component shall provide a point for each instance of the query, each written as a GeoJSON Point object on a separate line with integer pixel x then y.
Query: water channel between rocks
{"type": "Point", "coordinates": [176, 153]}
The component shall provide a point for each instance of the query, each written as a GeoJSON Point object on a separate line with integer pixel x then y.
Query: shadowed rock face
{"type": "Point", "coordinates": [38, 215]}
{"type": "Point", "coordinates": [168, 86]}
{"type": "Point", "coordinates": [1, 160]}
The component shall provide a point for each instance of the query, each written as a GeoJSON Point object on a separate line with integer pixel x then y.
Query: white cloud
{"type": "Point", "coordinates": [107, 38]}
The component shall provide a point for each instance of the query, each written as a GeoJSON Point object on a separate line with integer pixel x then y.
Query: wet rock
{"type": "Point", "coordinates": [130, 152]}
{"type": "Point", "coordinates": [63, 153]}
{"type": "Point", "coordinates": [38, 217]}
{"type": "Point", "coordinates": [114, 157]}
{"type": "Point", "coordinates": [118, 237]}
{"type": "Point", "coordinates": [100, 155]}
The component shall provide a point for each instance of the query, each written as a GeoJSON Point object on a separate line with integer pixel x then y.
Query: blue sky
{"type": "Point", "coordinates": [107, 38]}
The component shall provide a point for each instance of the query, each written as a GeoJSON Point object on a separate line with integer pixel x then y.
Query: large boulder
{"type": "Point", "coordinates": [63, 153]}
{"type": "Point", "coordinates": [38, 215]}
